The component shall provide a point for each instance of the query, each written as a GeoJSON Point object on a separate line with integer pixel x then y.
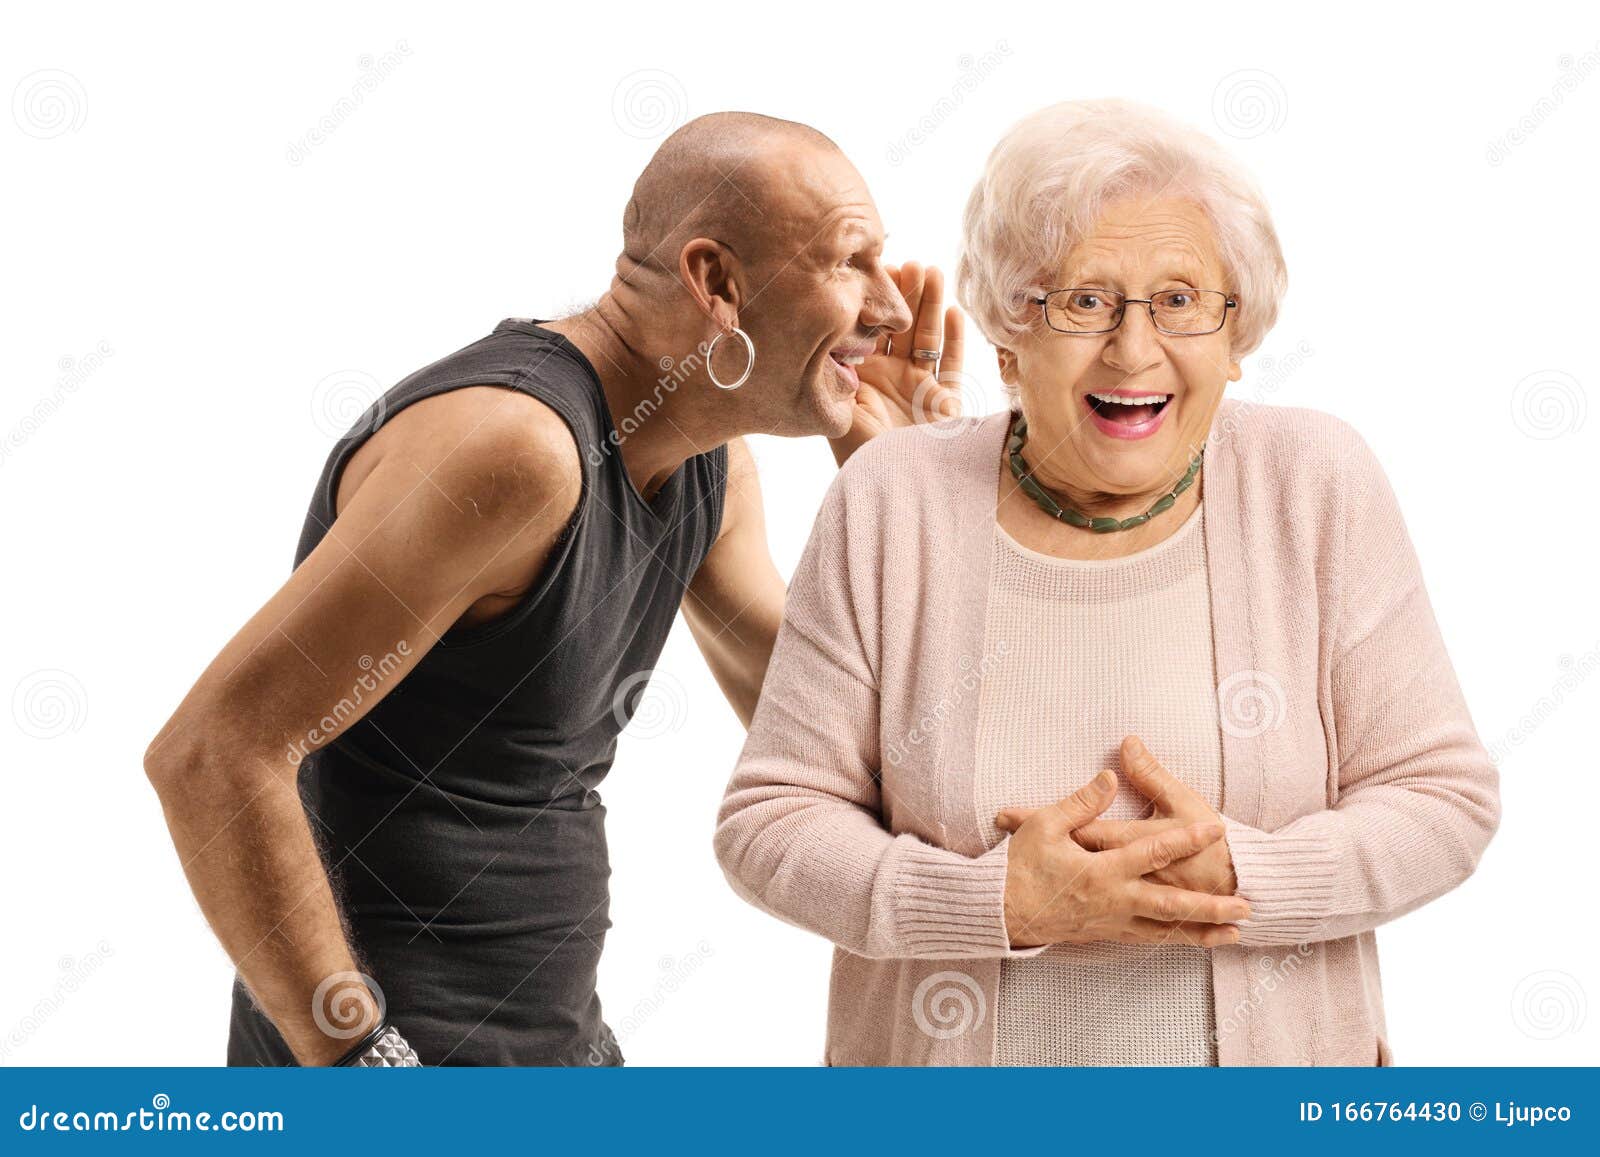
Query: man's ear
{"type": "Point", "coordinates": [708, 270]}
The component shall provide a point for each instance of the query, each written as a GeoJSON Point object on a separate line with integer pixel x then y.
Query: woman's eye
{"type": "Point", "coordinates": [1177, 301]}
{"type": "Point", "coordinates": [1086, 301]}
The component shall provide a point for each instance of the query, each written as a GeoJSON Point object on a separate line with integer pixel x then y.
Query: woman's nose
{"type": "Point", "coordinates": [1135, 344]}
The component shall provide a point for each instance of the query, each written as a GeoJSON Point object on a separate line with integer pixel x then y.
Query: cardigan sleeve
{"type": "Point", "coordinates": [1417, 792]}
{"type": "Point", "coordinates": [800, 833]}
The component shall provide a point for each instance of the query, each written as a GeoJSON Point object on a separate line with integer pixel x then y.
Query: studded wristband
{"type": "Point", "coordinates": [382, 1048]}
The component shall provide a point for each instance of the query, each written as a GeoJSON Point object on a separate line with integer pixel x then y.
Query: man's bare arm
{"type": "Point", "coordinates": [734, 604]}
{"type": "Point", "coordinates": [466, 499]}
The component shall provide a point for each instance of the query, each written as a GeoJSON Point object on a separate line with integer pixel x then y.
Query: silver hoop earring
{"type": "Point", "coordinates": [750, 363]}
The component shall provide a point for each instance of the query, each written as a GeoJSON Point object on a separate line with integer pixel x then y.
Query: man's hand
{"type": "Point", "coordinates": [1175, 806]}
{"type": "Point", "coordinates": [897, 388]}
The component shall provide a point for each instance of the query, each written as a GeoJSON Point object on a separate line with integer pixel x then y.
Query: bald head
{"type": "Point", "coordinates": [718, 176]}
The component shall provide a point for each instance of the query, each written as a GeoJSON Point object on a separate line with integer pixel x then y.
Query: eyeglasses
{"type": "Point", "coordinates": [1182, 312]}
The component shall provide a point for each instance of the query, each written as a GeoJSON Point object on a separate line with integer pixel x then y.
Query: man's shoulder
{"type": "Point", "coordinates": [510, 455]}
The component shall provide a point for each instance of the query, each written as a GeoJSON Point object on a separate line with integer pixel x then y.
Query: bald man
{"type": "Point", "coordinates": [384, 789]}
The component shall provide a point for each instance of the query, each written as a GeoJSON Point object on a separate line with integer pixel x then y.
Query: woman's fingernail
{"type": "Point", "coordinates": [1104, 779]}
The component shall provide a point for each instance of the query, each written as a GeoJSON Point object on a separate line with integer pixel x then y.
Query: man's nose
{"type": "Point", "coordinates": [885, 307]}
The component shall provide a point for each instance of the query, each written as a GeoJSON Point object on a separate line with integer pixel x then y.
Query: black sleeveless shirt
{"type": "Point", "coordinates": [460, 819]}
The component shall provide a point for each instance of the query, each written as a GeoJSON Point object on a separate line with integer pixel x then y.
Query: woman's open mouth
{"type": "Point", "coordinates": [1127, 413]}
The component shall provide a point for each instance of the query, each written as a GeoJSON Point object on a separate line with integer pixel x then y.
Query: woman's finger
{"type": "Point", "coordinates": [1103, 835]}
{"type": "Point", "coordinates": [1012, 818]}
{"type": "Point", "coordinates": [1080, 807]}
{"type": "Point", "coordinates": [1143, 930]}
{"type": "Point", "coordinates": [1153, 780]}
{"type": "Point", "coordinates": [1160, 902]}
{"type": "Point", "coordinates": [1153, 852]}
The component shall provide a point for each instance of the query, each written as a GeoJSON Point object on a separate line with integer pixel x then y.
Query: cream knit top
{"type": "Point", "coordinates": [1093, 651]}
{"type": "Point", "coordinates": [1356, 788]}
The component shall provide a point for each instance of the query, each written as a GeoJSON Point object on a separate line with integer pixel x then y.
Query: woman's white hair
{"type": "Point", "coordinates": [1045, 183]}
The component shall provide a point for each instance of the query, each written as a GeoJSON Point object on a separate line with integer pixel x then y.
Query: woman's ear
{"type": "Point", "coordinates": [1007, 360]}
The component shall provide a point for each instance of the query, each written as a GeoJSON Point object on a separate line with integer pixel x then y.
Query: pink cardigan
{"type": "Point", "coordinates": [1355, 787]}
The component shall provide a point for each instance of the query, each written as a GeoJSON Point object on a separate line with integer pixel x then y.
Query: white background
{"type": "Point", "coordinates": [192, 312]}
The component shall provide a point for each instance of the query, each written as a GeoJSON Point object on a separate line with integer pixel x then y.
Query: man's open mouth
{"type": "Point", "coordinates": [1129, 409]}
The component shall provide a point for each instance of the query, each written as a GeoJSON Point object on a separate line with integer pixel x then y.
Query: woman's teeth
{"type": "Point", "coordinates": [844, 361]}
{"type": "Point", "coordinates": [1132, 410]}
{"type": "Point", "coordinates": [1118, 400]}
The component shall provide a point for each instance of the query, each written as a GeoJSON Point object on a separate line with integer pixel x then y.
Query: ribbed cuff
{"type": "Point", "coordinates": [1289, 881]}
{"type": "Point", "coordinates": [947, 904]}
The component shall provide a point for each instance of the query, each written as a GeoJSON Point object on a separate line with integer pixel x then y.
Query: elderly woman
{"type": "Point", "coordinates": [1106, 730]}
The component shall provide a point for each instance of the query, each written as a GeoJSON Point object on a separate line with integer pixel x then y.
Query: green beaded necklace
{"type": "Point", "coordinates": [1019, 471]}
